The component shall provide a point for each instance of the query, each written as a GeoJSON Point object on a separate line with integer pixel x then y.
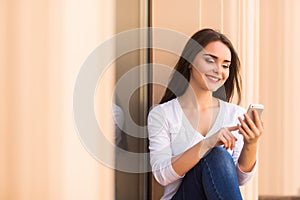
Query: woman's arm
{"type": "Point", "coordinates": [188, 159]}
{"type": "Point", "coordinates": [251, 132]}
{"type": "Point", "coordinates": [167, 168]}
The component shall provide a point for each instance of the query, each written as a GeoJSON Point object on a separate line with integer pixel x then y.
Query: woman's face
{"type": "Point", "coordinates": [210, 68]}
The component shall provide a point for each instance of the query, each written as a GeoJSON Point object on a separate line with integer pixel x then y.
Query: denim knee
{"type": "Point", "coordinates": [220, 157]}
{"type": "Point", "coordinates": [218, 151]}
{"type": "Point", "coordinates": [214, 176]}
{"type": "Point", "coordinates": [219, 175]}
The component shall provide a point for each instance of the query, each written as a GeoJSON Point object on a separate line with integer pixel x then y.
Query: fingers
{"type": "Point", "coordinates": [262, 122]}
{"type": "Point", "coordinates": [251, 130]}
{"type": "Point", "coordinates": [228, 138]}
{"type": "Point", "coordinates": [257, 120]}
{"type": "Point", "coordinates": [244, 133]}
{"type": "Point", "coordinates": [228, 142]}
{"type": "Point", "coordinates": [245, 127]}
{"type": "Point", "coordinates": [233, 128]}
{"type": "Point", "coordinates": [222, 137]}
{"type": "Point", "coordinates": [224, 142]}
{"type": "Point", "coordinates": [256, 123]}
{"type": "Point", "coordinates": [247, 124]}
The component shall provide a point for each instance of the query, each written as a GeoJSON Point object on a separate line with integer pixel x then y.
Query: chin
{"type": "Point", "coordinates": [214, 89]}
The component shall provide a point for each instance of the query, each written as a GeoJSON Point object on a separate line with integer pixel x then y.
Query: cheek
{"type": "Point", "coordinates": [198, 72]}
{"type": "Point", "coordinates": [226, 74]}
{"type": "Point", "coordinates": [201, 66]}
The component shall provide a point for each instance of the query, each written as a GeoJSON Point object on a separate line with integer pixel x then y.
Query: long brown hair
{"type": "Point", "coordinates": [181, 75]}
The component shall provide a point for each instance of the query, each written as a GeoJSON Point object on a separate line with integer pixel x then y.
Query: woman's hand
{"type": "Point", "coordinates": [251, 130]}
{"type": "Point", "coordinates": [223, 136]}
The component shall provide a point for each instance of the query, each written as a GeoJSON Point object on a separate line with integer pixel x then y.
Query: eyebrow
{"type": "Point", "coordinates": [215, 57]}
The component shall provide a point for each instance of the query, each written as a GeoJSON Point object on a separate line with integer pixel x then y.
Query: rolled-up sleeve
{"type": "Point", "coordinates": [159, 146]}
{"type": "Point", "coordinates": [244, 177]}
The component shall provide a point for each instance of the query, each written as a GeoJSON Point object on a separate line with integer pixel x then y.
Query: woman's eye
{"type": "Point", "coordinates": [226, 66]}
{"type": "Point", "coordinates": [209, 60]}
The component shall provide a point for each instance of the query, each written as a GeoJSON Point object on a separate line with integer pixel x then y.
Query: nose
{"type": "Point", "coordinates": [218, 67]}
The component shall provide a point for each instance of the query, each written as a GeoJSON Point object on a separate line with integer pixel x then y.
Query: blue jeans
{"type": "Point", "coordinates": [213, 177]}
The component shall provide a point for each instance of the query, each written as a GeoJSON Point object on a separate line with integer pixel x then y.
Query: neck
{"type": "Point", "coordinates": [197, 98]}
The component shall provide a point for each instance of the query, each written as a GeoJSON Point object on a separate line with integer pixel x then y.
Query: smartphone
{"type": "Point", "coordinates": [258, 107]}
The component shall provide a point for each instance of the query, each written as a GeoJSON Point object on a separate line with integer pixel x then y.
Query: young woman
{"type": "Point", "coordinates": [202, 147]}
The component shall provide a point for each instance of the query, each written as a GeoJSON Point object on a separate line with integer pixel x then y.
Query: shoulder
{"type": "Point", "coordinates": [233, 108]}
{"type": "Point", "coordinates": [168, 113]}
{"type": "Point", "coordinates": [164, 108]}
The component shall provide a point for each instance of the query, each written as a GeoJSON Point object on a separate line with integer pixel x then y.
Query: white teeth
{"type": "Point", "coordinates": [213, 78]}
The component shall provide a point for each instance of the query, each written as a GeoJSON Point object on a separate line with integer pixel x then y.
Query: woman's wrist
{"type": "Point", "coordinates": [250, 145]}
{"type": "Point", "coordinates": [204, 147]}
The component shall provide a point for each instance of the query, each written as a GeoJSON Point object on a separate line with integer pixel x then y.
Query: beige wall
{"type": "Point", "coordinates": [279, 81]}
{"type": "Point", "coordinates": [43, 44]}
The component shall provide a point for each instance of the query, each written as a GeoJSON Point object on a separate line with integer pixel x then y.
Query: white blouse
{"type": "Point", "coordinates": [171, 133]}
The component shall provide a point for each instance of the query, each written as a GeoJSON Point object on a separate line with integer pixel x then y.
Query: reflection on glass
{"type": "Point", "coordinates": [130, 106]}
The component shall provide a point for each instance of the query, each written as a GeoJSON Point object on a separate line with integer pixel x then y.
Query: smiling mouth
{"type": "Point", "coordinates": [213, 78]}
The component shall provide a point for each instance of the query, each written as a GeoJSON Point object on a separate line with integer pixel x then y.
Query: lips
{"type": "Point", "coordinates": [213, 78]}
